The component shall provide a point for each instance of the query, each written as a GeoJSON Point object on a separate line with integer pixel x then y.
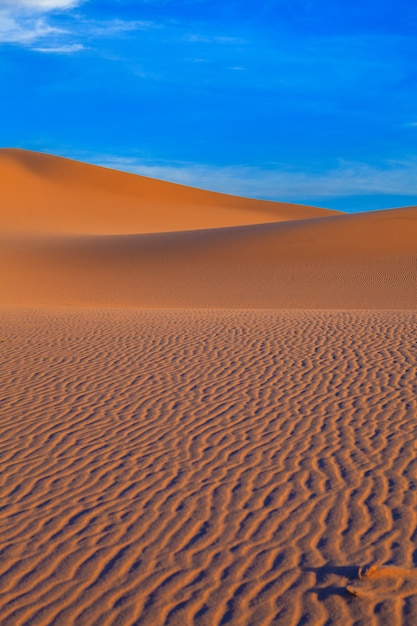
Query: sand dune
{"type": "Point", "coordinates": [354, 261]}
{"type": "Point", "coordinates": [79, 235]}
{"type": "Point", "coordinates": [47, 194]}
{"type": "Point", "coordinates": [207, 467]}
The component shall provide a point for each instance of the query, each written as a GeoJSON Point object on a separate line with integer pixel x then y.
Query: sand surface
{"type": "Point", "coordinates": [208, 467]}
{"type": "Point", "coordinates": [208, 409]}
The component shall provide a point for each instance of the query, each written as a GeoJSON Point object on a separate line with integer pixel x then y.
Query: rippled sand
{"type": "Point", "coordinates": [208, 467]}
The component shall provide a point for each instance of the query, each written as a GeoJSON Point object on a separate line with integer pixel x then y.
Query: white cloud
{"type": "Point", "coordinates": [348, 179]}
{"type": "Point", "coordinates": [27, 22]}
{"type": "Point", "coordinates": [24, 31]}
{"type": "Point", "coordinates": [24, 21]}
{"type": "Point", "coordinates": [39, 5]}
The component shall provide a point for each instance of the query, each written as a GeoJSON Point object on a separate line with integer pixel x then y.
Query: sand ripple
{"type": "Point", "coordinates": [207, 467]}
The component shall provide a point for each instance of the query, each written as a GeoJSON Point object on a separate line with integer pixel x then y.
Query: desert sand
{"type": "Point", "coordinates": [208, 411]}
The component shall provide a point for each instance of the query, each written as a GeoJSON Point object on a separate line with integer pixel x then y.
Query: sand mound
{"type": "Point", "coordinates": [48, 194]}
{"type": "Point", "coordinates": [352, 261]}
{"type": "Point", "coordinates": [80, 235]}
{"type": "Point", "coordinates": [205, 468]}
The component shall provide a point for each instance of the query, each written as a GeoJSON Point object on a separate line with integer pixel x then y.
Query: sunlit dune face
{"type": "Point", "coordinates": [46, 194]}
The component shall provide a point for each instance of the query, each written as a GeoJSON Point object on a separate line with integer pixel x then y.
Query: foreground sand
{"type": "Point", "coordinates": [207, 467]}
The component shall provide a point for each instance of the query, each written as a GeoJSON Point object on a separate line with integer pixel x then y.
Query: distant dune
{"type": "Point", "coordinates": [49, 194]}
{"type": "Point", "coordinates": [79, 235]}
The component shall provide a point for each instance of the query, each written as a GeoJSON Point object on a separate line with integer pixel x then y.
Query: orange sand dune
{"type": "Point", "coordinates": [42, 193]}
{"type": "Point", "coordinates": [203, 468]}
{"type": "Point", "coordinates": [79, 235]}
{"type": "Point", "coordinates": [349, 261]}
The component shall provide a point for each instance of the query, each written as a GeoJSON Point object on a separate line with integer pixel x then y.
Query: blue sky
{"type": "Point", "coordinates": [299, 100]}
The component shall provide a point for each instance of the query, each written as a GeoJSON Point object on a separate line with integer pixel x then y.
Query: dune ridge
{"type": "Point", "coordinates": [206, 467]}
{"type": "Point", "coordinates": [42, 193]}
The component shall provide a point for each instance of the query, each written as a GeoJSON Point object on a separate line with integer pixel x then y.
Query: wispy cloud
{"type": "Point", "coordinates": [69, 49]}
{"type": "Point", "coordinates": [110, 28]}
{"type": "Point", "coordinates": [48, 26]}
{"type": "Point", "coordinates": [25, 22]}
{"type": "Point", "coordinates": [25, 30]}
{"type": "Point", "coordinates": [40, 6]}
{"type": "Point", "coordinates": [196, 38]}
{"type": "Point", "coordinates": [347, 179]}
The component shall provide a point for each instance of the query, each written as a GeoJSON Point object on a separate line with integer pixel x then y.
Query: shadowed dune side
{"type": "Point", "coordinates": [181, 468]}
{"type": "Point", "coordinates": [41, 193]}
{"type": "Point", "coordinates": [352, 261]}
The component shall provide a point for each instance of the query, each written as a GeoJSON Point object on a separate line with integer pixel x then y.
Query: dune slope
{"type": "Point", "coordinates": [47, 194]}
{"type": "Point", "coordinates": [352, 261]}
{"type": "Point", "coordinates": [78, 235]}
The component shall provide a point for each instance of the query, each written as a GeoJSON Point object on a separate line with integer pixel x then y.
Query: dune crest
{"type": "Point", "coordinates": [42, 193]}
